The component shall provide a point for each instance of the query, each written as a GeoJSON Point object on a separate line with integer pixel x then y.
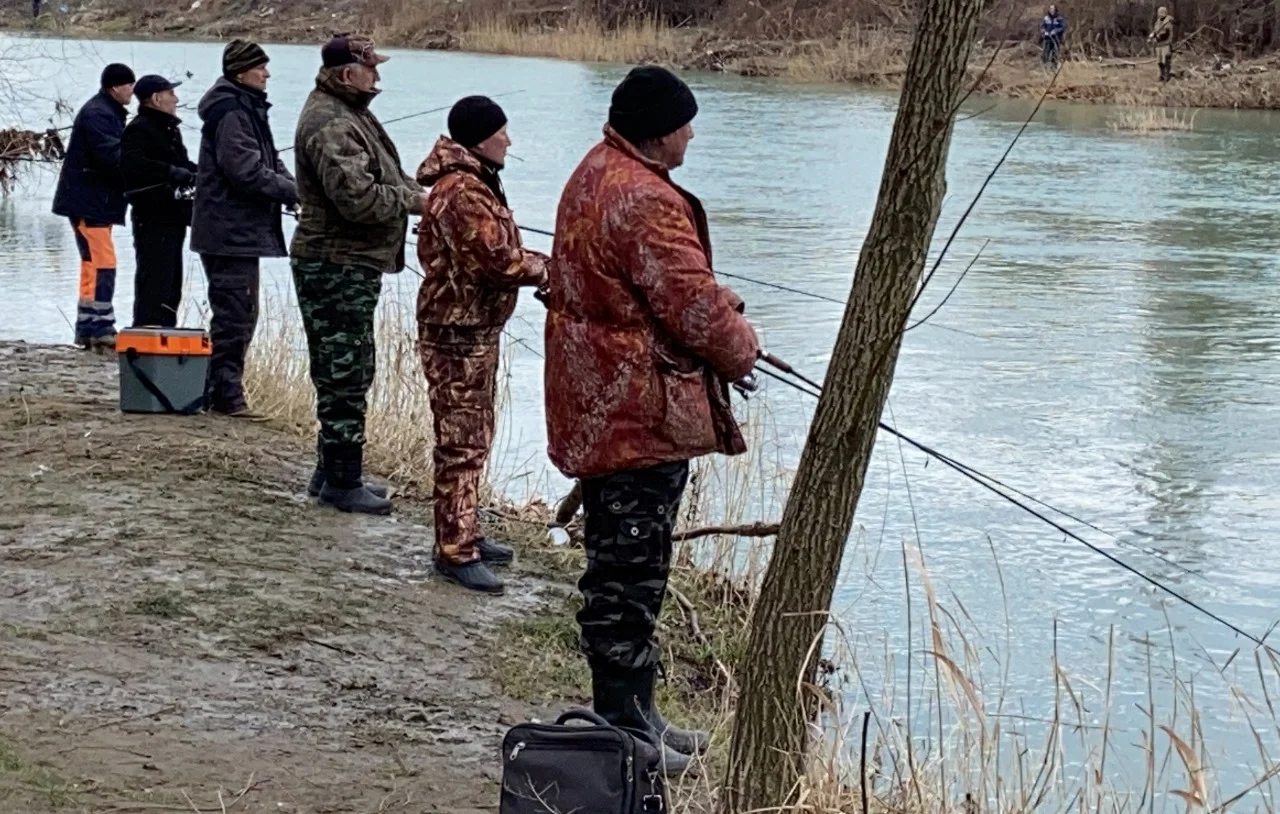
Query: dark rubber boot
{"type": "Point", "coordinates": [621, 696]}
{"type": "Point", "coordinates": [474, 576]}
{"type": "Point", "coordinates": [494, 553]}
{"type": "Point", "coordinates": [343, 489]}
{"type": "Point", "coordinates": [684, 741]}
{"type": "Point", "coordinates": [317, 478]}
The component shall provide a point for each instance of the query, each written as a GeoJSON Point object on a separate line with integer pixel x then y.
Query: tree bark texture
{"type": "Point", "coordinates": [770, 745]}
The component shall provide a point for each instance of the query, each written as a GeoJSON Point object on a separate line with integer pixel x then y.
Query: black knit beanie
{"type": "Point", "coordinates": [240, 56]}
{"type": "Point", "coordinates": [650, 103]}
{"type": "Point", "coordinates": [474, 119]}
{"type": "Point", "coordinates": [115, 75]}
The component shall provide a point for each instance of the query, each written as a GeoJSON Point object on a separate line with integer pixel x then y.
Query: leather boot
{"type": "Point", "coordinates": [343, 488]}
{"type": "Point", "coordinates": [317, 477]}
{"type": "Point", "coordinates": [621, 697]}
{"type": "Point", "coordinates": [474, 576]}
{"type": "Point", "coordinates": [494, 553]}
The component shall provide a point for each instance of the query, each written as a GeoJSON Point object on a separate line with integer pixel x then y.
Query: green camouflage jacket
{"type": "Point", "coordinates": [355, 198]}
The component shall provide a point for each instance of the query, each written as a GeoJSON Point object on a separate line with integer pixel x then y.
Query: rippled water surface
{"type": "Point", "coordinates": [1113, 351]}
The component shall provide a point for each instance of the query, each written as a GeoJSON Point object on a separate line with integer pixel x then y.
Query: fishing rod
{"type": "Point", "coordinates": [424, 113]}
{"type": "Point", "coordinates": [810, 387]}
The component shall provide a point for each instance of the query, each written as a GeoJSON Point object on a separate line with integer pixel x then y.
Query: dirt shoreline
{"type": "Point", "coordinates": [183, 628]}
{"type": "Point", "coordinates": [871, 58]}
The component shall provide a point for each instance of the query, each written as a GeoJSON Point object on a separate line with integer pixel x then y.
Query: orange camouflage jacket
{"type": "Point", "coordinates": [469, 247]}
{"type": "Point", "coordinates": [641, 341]}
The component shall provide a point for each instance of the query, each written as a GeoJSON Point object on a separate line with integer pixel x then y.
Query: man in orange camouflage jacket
{"type": "Point", "coordinates": [642, 344]}
{"type": "Point", "coordinates": [473, 264]}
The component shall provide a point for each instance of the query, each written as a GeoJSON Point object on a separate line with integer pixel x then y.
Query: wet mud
{"type": "Point", "coordinates": [182, 629]}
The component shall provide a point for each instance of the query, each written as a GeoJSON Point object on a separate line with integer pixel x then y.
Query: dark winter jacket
{"type": "Point", "coordinates": [155, 165]}
{"type": "Point", "coordinates": [356, 199]}
{"type": "Point", "coordinates": [241, 184]}
{"type": "Point", "coordinates": [90, 186]}
{"type": "Point", "coordinates": [1053, 27]}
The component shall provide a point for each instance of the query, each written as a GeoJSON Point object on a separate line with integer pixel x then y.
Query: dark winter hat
{"type": "Point", "coordinates": [240, 56]}
{"type": "Point", "coordinates": [150, 85]}
{"type": "Point", "coordinates": [650, 103]}
{"type": "Point", "coordinates": [474, 119]}
{"type": "Point", "coordinates": [115, 75]}
{"type": "Point", "coordinates": [349, 49]}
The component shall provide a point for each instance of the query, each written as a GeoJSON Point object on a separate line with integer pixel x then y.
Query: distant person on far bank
{"type": "Point", "coordinates": [159, 177]}
{"type": "Point", "coordinates": [241, 188]}
{"type": "Point", "coordinates": [642, 345]}
{"type": "Point", "coordinates": [90, 194]}
{"type": "Point", "coordinates": [473, 265]}
{"type": "Point", "coordinates": [1053, 32]}
{"type": "Point", "coordinates": [1162, 36]}
{"type": "Point", "coordinates": [356, 203]}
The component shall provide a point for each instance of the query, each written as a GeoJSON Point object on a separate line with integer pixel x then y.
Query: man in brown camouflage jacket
{"type": "Point", "coordinates": [473, 264]}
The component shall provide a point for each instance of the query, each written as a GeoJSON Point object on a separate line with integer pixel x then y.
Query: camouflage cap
{"type": "Point", "coordinates": [350, 49]}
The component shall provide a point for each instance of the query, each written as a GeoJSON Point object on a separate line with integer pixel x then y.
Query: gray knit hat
{"type": "Point", "coordinates": [241, 55]}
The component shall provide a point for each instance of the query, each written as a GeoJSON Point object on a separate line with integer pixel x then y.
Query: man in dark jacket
{"type": "Point", "coordinates": [159, 176]}
{"type": "Point", "coordinates": [90, 194]}
{"type": "Point", "coordinates": [241, 186]}
{"type": "Point", "coordinates": [356, 202]}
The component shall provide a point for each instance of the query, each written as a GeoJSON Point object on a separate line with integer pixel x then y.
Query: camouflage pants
{"type": "Point", "coordinates": [462, 380]}
{"type": "Point", "coordinates": [337, 304]}
{"type": "Point", "coordinates": [630, 517]}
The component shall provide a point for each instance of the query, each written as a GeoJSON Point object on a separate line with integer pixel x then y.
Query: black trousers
{"type": "Point", "coordinates": [630, 518]}
{"type": "Point", "coordinates": [157, 281]}
{"type": "Point", "coordinates": [233, 299]}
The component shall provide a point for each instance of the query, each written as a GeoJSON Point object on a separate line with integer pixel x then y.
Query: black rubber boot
{"type": "Point", "coordinates": [343, 489]}
{"type": "Point", "coordinates": [474, 576]}
{"type": "Point", "coordinates": [684, 741]}
{"type": "Point", "coordinates": [494, 553]}
{"type": "Point", "coordinates": [621, 697]}
{"type": "Point", "coordinates": [317, 478]}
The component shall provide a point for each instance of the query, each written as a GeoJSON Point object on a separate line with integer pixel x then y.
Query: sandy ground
{"type": "Point", "coordinates": [181, 629]}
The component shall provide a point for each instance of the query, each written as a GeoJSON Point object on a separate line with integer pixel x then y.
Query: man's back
{"type": "Point", "coordinates": [90, 185]}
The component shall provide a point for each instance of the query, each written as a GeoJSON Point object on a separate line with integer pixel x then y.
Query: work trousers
{"type": "Point", "coordinates": [157, 281]}
{"type": "Point", "coordinates": [462, 379]}
{"type": "Point", "coordinates": [233, 299]}
{"type": "Point", "coordinates": [95, 314]}
{"type": "Point", "coordinates": [630, 518]}
{"type": "Point", "coordinates": [338, 304]}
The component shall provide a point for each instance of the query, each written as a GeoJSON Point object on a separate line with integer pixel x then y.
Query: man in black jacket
{"type": "Point", "coordinates": [158, 174]}
{"type": "Point", "coordinates": [90, 194]}
{"type": "Point", "coordinates": [241, 186]}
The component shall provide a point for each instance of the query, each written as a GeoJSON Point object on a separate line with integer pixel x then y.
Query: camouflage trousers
{"type": "Point", "coordinates": [630, 517]}
{"type": "Point", "coordinates": [462, 379]}
{"type": "Point", "coordinates": [337, 304]}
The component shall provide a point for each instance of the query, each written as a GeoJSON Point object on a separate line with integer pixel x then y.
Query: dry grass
{"type": "Point", "coordinates": [578, 39]}
{"type": "Point", "coordinates": [1151, 120]}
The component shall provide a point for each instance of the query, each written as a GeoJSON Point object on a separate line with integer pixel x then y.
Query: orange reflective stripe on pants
{"type": "Point", "coordinates": [95, 315]}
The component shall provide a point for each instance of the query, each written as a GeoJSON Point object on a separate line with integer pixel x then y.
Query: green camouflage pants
{"type": "Point", "coordinates": [337, 304]}
{"type": "Point", "coordinates": [629, 521]}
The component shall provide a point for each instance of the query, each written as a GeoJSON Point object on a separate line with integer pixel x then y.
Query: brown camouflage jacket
{"type": "Point", "coordinates": [469, 248]}
{"type": "Point", "coordinates": [355, 198]}
{"type": "Point", "coordinates": [641, 340]}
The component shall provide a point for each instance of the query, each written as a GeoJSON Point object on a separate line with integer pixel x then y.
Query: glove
{"type": "Point", "coordinates": [182, 176]}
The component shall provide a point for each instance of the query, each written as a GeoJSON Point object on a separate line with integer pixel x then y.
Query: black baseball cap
{"type": "Point", "coordinates": [149, 85]}
{"type": "Point", "coordinates": [350, 49]}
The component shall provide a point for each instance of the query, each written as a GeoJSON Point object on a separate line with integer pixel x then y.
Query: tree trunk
{"type": "Point", "coordinates": [770, 746]}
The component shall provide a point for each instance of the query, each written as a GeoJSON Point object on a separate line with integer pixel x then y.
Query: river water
{"type": "Point", "coordinates": [1113, 352]}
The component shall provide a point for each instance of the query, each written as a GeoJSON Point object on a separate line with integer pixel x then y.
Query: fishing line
{"type": "Point", "coordinates": [977, 477]}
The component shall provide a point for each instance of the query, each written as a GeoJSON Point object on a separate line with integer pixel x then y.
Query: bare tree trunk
{"type": "Point", "coordinates": [769, 737]}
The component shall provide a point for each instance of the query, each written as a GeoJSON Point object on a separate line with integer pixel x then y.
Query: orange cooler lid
{"type": "Point", "coordinates": [164, 341]}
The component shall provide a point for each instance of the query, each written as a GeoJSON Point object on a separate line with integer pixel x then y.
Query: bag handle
{"type": "Point", "coordinates": [580, 714]}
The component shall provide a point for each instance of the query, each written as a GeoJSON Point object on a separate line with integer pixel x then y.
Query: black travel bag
{"type": "Point", "coordinates": [593, 769]}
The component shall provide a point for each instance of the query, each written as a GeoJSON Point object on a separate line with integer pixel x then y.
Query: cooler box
{"type": "Point", "coordinates": [162, 370]}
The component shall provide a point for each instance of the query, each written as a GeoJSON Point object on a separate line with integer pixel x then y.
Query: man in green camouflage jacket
{"type": "Point", "coordinates": [356, 202]}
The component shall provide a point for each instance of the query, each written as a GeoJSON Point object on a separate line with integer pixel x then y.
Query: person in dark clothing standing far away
{"type": "Point", "coordinates": [473, 264]}
{"type": "Point", "coordinates": [1053, 31]}
{"type": "Point", "coordinates": [241, 187]}
{"type": "Point", "coordinates": [642, 344]}
{"type": "Point", "coordinates": [158, 176]}
{"type": "Point", "coordinates": [356, 203]}
{"type": "Point", "coordinates": [90, 194]}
